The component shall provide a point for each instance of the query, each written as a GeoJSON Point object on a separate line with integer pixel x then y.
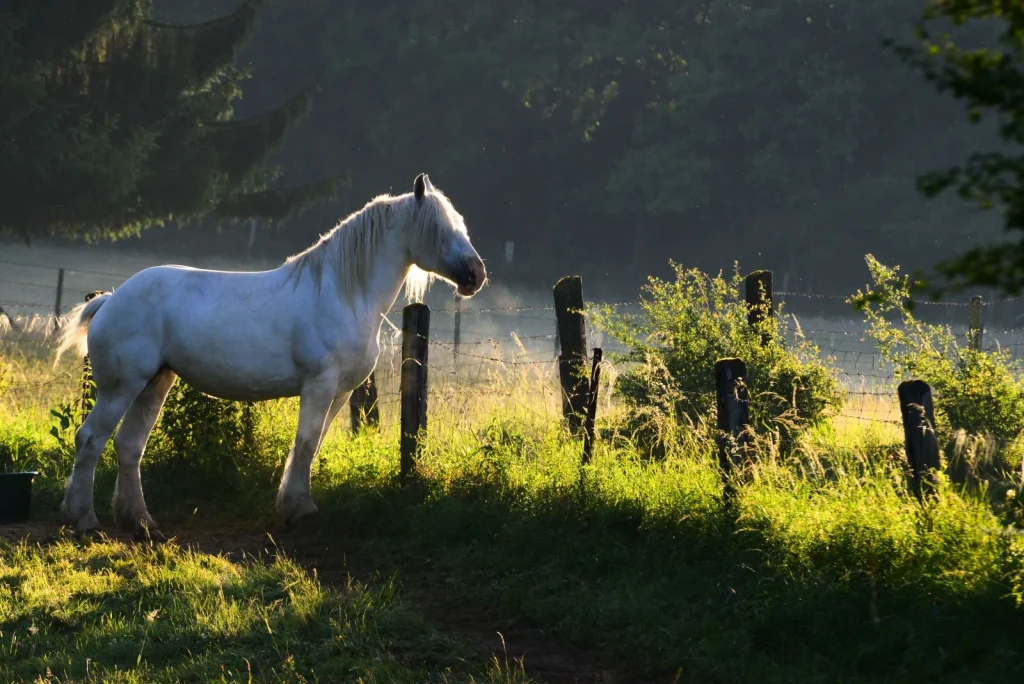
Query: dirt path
{"type": "Point", "coordinates": [545, 657]}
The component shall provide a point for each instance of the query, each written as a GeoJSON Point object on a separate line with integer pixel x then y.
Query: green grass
{"type": "Point", "coordinates": [803, 578]}
{"type": "Point", "coordinates": [823, 568]}
{"type": "Point", "coordinates": [110, 612]}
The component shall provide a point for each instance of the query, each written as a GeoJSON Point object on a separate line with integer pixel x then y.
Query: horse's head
{"type": "Point", "coordinates": [438, 241]}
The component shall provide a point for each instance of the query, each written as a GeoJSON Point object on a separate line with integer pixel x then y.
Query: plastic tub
{"type": "Point", "coordinates": [15, 496]}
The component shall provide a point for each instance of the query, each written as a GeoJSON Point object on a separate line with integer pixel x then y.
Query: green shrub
{"type": "Point", "coordinates": [686, 325]}
{"type": "Point", "coordinates": [203, 430]}
{"type": "Point", "coordinates": [979, 392]}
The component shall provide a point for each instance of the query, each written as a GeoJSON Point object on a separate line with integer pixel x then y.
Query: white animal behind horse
{"type": "Point", "coordinates": [308, 328]}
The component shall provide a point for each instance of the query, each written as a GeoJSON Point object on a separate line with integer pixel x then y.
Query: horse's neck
{"type": "Point", "coordinates": [388, 270]}
{"type": "Point", "coordinates": [386, 285]}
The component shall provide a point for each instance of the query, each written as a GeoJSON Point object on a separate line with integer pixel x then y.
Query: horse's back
{"type": "Point", "coordinates": [227, 333]}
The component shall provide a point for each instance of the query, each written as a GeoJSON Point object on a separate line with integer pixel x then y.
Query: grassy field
{"type": "Point", "coordinates": [823, 568]}
{"type": "Point", "coordinates": [112, 612]}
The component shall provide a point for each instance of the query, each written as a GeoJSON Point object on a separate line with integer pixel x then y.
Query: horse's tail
{"type": "Point", "coordinates": [75, 326]}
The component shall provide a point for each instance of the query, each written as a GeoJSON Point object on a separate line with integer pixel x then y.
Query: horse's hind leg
{"type": "Point", "coordinates": [130, 443]}
{"type": "Point", "coordinates": [90, 440]}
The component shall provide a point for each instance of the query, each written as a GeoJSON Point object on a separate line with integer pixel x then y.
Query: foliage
{"type": "Point", "coordinates": [689, 323]}
{"type": "Point", "coordinates": [819, 570]}
{"type": "Point", "coordinates": [5, 371]}
{"type": "Point", "coordinates": [983, 66]}
{"type": "Point", "coordinates": [204, 431]}
{"type": "Point", "coordinates": [111, 122]}
{"type": "Point", "coordinates": [112, 612]}
{"type": "Point", "coordinates": [696, 128]}
{"type": "Point", "coordinates": [64, 423]}
{"type": "Point", "coordinates": [979, 391]}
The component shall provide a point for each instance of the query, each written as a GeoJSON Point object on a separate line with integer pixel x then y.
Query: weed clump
{"type": "Point", "coordinates": [978, 393]}
{"type": "Point", "coordinates": [686, 325]}
{"type": "Point", "coordinates": [207, 431]}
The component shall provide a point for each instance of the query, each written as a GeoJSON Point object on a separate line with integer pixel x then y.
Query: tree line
{"type": "Point", "coordinates": [601, 139]}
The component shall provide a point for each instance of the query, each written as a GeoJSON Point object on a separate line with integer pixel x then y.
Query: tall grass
{"type": "Point", "coordinates": [822, 568]}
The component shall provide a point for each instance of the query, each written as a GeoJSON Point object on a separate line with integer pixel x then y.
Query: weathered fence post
{"type": "Point", "coordinates": [589, 435]}
{"type": "Point", "coordinates": [919, 433]}
{"type": "Point", "coordinates": [248, 428]}
{"type": "Point", "coordinates": [88, 389]}
{"type": "Point", "coordinates": [759, 296]}
{"type": "Point", "coordinates": [415, 340]}
{"type": "Point", "coordinates": [733, 414]}
{"type": "Point", "coordinates": [572, 335]}
{"type": "Point", "coordinates": [363, 404]}
{"type": "Point", "coordinates": [977, 330]}
{"type": "Point", "coordinates": [60, 294]}
{"type": "Point", "coordinates": [458, 333]}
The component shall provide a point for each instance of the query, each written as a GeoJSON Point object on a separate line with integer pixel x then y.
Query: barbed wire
{"type": "Point", "coordinates": [35, 386]}
{"type": "Point", "coordinates": [66, 270]}
{"type": "Point", "coordinates": [16, 304]}
{"type": "Point", "coordinates": [924, 302]}
{"type": "Point", "coordinates": [493, 359]}
{"type": "Point", "coordinates": [866, 375]}
{"type": "Point", "coordinates": [21, 283]}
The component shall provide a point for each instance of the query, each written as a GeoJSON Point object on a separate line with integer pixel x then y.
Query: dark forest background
{"type": "Point", "coordinates": [607, 137]}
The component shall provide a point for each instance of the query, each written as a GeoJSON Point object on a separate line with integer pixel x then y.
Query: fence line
{"type": "Point", "coordinates": [495, 345]}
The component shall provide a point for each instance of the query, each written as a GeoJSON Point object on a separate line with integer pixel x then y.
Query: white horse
{"type": "Point", "coordinates": [308, 328]}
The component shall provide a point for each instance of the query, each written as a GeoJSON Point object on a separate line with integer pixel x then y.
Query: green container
{"type": "Point", "coordinates": [15, 496]}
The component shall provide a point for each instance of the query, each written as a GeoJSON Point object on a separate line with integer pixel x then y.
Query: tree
{"type": "Point", "coordinates": [988, 76]}
{"type": "Point", "coordinates": [703, 128]}
{"type": "Point", "coordinates": [111, 122]}
{"type": "Point", "coordinates": [604, 139]}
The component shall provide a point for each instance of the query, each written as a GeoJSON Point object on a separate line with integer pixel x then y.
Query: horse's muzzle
{"type": "Point", "coordinates": [471, 277]}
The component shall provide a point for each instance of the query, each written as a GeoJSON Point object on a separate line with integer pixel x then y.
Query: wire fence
{"type": "Point", "coordinates": [506, 355]}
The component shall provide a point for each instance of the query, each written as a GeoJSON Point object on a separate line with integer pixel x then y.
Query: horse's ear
{"type": "Point", "coordinates": [420, 187]}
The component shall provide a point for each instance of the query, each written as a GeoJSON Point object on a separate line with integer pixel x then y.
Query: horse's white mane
{"type": "Point", "coordinates": [352, 245]}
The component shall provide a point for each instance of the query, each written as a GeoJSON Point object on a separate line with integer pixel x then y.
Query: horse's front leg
{"type": "Point", "coordinates": [294, 501]}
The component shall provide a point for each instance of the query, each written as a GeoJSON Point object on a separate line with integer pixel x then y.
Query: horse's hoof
{"type": "Point", "coordinates": [84, 521]}
{"type": "Point", "coordinates": [298, 513]}
{"type": "Point", "coordinates": [82, 528]}
{"type": "Point", "coordinates": [89, 534]}
{"type": "Point", "coordinates": [145, 530]}
{"type": "Point", "coordinates": [149, 534]}
{"type": "Point", "coordinates": [303, 522]}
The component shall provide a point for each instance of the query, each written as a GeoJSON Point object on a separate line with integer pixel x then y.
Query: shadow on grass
{"type": "Point", "coordinates": [700, 594]}
{"type": "Point", "coordinates": [105, 610]}
{"type": "Point", "coordinates": [697, 593]}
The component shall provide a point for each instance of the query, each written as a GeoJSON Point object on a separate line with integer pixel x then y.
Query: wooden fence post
{"type": "Point", "coordinates": [458, 333]}
{"type": "Point", "coordinates": [60, 293]}
{"type": "Point", "coordinates": [363, 404]}
{"type": "Point", "coordinates": [733, 414]}
{"type": "Point", "coordinates": [248, 428]}
{"type": "Point", "coordinates": [572, 336]}
{"type": "Point", "coordinates": [589, 435]}
{"type": "Point", "coordinates": [415, 341]}
{"type": "Point", "coordinates": [977, 330]}
{"type": "Point", "coordinates": [759, 295]}
{"type": "Point", "coordinates": [919, 433]}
